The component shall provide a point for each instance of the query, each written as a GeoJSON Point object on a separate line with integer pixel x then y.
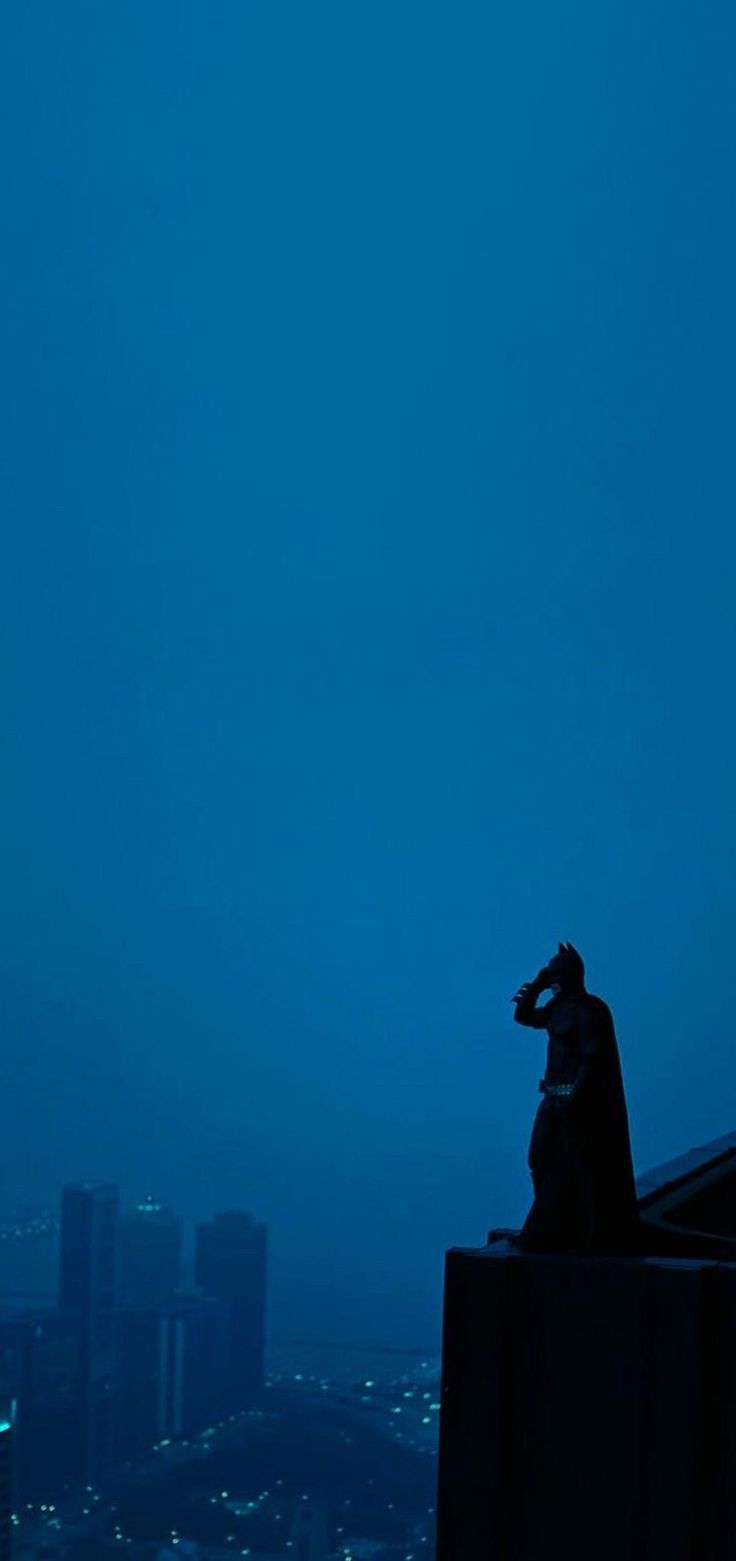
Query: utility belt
{"type": "Point", "coordinates": [556, 1091]}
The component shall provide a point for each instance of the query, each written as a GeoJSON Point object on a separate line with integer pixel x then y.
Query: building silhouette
{"type": "Point", "coordinates": [149, 1255]}
{"type": "Point", "coordinates": [39, 1355]}
{"type": "Point", "coordinates": [588, 1405]}
{"type": "Point", "coordinates": [230, 1266]}
{"type": "Point", "coordinates": [171, 1372]}
{"type": "Point", "coordinates": [87, 1289]}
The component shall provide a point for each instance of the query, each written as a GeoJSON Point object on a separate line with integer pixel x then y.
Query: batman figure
{"type": "Point", "coordinates": [580, 1153]}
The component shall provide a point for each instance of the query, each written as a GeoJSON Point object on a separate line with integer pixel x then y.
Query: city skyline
{"type": "Point", "coordinates": [129, 1385]}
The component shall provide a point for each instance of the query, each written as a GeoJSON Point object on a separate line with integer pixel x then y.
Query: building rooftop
{"type": "Point", "coordinates": [589, 1403]}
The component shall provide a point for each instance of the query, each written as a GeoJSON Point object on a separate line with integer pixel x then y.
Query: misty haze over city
{"type": "Point", "coordinates": [367, 607]}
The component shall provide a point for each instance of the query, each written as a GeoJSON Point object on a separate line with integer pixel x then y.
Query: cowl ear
{"type": "Point", "coordinates": [561, 948]}
{"type": "Point", "coordinates": [570, 949]}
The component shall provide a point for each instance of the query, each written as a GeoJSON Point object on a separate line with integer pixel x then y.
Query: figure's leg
{"type": "Point", "coordinates": [541, 1144]}
{"type": "Point", "coordinates": [543, 1229]}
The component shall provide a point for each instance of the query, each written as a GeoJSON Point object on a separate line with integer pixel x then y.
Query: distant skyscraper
{"type": "Point", "coordinates": [199, 1347]}
{"type": "Point", "coordinates": [6, 1483]}
{"type": "Point", "coordinates": [39, 1360]}
{"type": "Point", "coordinates": [149, 1255]}
{"type": "Point", "coordinates": [87, 1287]}
{"type": "Point", "coordinates": [140, 1392]}
{"type": "Point", "coordinates": [171, 1368]}
{"type": "Point", "coordinates": [230, 1264]}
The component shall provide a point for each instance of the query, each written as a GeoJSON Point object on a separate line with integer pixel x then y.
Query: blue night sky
{"type": "Point", "coordinates": [367, 603]}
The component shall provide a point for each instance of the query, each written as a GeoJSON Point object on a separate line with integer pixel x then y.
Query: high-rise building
{"type": "Point", "coordinates": [200, 1339]}
{"type": "Point", "coordinates": [149, 1255]}
{"type": "Point", "coordinates": [87, 1288]}
{"type": "Point", "coordinates": [6, 1482]}
{"type": "Point", "coordinates": [171, 1367]}
{"type": "Point", "coordinates": [140, 1392]}
{"type": "Point", "coordinates": [230, 1265]}
{"type": "Point", "coordinates": [39, 1355]}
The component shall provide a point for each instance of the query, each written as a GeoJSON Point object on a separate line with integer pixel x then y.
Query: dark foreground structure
{"type": "Point", "coordinates": [589, 1403]}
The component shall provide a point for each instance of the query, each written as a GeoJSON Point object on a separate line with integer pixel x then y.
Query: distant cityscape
{"type": "Point", "coordinates": [142, 1404]}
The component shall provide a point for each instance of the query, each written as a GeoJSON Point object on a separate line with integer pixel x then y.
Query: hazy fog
{"type": "Point", "coordinates": [367, 603]}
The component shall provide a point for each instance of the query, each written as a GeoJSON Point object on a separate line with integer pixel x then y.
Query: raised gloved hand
{"type": "Point", "coordinates": [530, 990]}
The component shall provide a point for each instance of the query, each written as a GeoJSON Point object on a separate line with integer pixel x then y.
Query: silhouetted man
{"type": "Point", "coordinates": [580, 1154]}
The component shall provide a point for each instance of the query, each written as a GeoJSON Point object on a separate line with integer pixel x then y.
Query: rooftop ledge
{"type": "Point", "coordinates": [589, 1404]}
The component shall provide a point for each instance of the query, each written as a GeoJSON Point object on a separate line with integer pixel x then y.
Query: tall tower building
{"type": "Point", "coordinates": [87, 1287]}
{"type": "Point", "coordinates": [170, 1372]}
{"type": "Point", "coordinates": [39, 1353]}
{"type": "Point", "coordinates": [149, 1255]}
{"type": "Point", "coordinates": [230, 1266]}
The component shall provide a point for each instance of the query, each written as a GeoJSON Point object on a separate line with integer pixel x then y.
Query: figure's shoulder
{"type": "Point", "coordinates": [594, 1002]}
{"type": "Point", "coordinates": [598, 1011]}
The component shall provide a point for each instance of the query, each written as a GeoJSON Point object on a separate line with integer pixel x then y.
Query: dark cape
{"type": "Point", "coordinates": [580, 1151]}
